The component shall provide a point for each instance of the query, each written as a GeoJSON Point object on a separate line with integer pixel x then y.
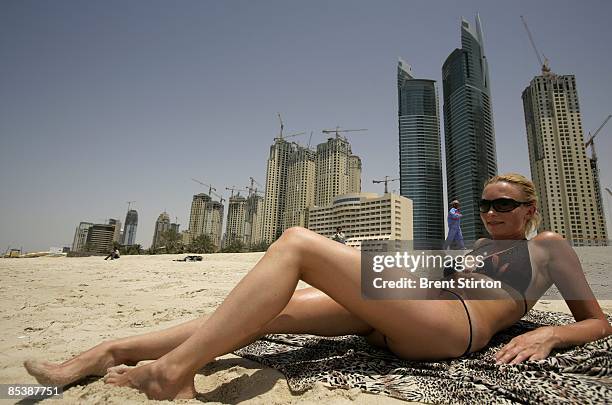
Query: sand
{"type": "Point", "coordinates": [54, 308]}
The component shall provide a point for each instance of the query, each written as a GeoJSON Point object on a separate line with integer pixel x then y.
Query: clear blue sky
{"type": "Point", "coordinates": [110, 101]}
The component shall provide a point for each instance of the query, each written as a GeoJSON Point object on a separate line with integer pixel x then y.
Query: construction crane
{"type": "Point", "coordinates": [543, 63]}
{"type": "Point", "coordinates": [210, 188]}
{"type": "Point", "coordinates": [338, 130]}
{"type": "Point", "coordinates": [282, 127]}
{"type": "Point", "coordinates": [254, 189]}
{"type": "Point", "coordinates": [590, 142]}
{"type": "Point", "coordinates": [221, 199]}
{"type": "Point", "coordinates": [386, 181]}
{"type": "Point", "coordinates": [130, 203]}
{"type": "Point", "coordinates": [233, 188]}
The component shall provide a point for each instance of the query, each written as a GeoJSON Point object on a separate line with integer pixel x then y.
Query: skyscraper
{"type": "Point", "coordinates": [300, 187]}
{"type": "Point", "coordinates": [254, 218]}
{"type": "Point", "coordinates": [420, 154]}
{"type": "Point", "coordinates": [468, 127]}
{"type": "Point", "coordinates": [560, 168]}
{"type": "Point", "coordinates": [276, 186]}
{"type": "Point", "coordinates": [206, 218]}
{"type": "Point", "coordinates": [129, 229]}
{"type": "Point", "coordinates": [161, 225]}
{"type": "Point", "coordinates": [236, 219]}
{"type": "Point", "coordinates": [338, 171]}
{"type": "Point", "coordinates": [117, 224]}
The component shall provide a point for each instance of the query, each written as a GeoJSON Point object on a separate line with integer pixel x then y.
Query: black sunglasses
{"type": "Point", "coordinates": [501, 204]}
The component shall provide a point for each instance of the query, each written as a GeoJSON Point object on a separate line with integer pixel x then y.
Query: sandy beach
{"type": "Point", "coordinates": [54, 308]}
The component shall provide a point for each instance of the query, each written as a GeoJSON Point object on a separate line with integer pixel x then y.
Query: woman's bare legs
{"type": "Point", "coordinates": [308, 311]}
{"type": "Point", "coordinates": [263, 293]}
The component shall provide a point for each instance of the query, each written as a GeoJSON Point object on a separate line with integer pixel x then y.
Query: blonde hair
{"type": "Point", "coordinates": [528, 189]}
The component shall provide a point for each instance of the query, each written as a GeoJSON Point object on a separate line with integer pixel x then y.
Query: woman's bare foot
{"type": "Point", "coordinates": [92, 362]}
{"type": "Point", "coordinates": [152, 380]}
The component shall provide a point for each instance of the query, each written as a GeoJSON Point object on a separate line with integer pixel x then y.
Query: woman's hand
{"type": "Point", "coordinates": [534, 345]}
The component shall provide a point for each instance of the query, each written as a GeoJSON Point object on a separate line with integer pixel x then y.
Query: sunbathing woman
{"type": "Point", "coordinates": [266, 301]}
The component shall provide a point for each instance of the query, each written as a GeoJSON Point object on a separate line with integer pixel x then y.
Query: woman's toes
{"type": "Point", "coordinates": [120, 369]}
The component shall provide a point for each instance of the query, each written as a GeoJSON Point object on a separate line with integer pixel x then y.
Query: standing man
{"type": "Point", "coordinates": [454, 226]}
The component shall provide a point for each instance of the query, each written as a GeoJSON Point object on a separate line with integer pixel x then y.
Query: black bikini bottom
{"type": "Point", "coordinates": [469, 346]}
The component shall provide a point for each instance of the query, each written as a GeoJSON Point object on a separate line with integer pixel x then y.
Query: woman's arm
{"type": "Point", "coordinates": [591, 323]}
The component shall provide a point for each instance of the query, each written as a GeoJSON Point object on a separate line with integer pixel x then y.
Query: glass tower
{"type": "Point", "coordinates": [420, 153]}
{"type": "Point", "coordinates": [129, 230]}
{"type": "Point", "coordinates": [468, 127]}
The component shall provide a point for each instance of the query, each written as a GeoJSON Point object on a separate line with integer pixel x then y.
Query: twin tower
{"type": "Point", "coordinates": [469, 138]}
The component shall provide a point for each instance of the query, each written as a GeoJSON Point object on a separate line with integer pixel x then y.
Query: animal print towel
{"type": "Point", "coordinates": [578, 375]}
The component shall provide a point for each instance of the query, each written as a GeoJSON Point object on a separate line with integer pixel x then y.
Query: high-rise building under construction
{"type": "Point", "coordinates": [560, 169]}
{"type": "Point", "coordinates": [206, 218]}
{"type": "Point", "coordinates": [129, 228]}
{"type": "Point", "coordinates": [300, 192]}
{"type": "Point", "coordinates": [276, 186]}
{"type": "Point", "coordinates": [338, 171]}
{"type": "Point", "coordinates": [236, 220]}
{"type": "Point", "coordinates": [298, 178]}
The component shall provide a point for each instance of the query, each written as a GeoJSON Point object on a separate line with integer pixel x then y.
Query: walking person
{"type": "Point", "coordinates": [454, 227]}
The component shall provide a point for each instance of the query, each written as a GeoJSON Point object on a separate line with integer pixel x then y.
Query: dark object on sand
{"type": "Point", "coordinates": [190, 258]}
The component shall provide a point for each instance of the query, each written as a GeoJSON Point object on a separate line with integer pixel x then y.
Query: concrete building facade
{"type": "Point", "coordinates": [100, 238]}
{"type": "Point", "coordinates": [365, 217]}
{"type": "Point", "coordinates": [117, 234]}
{"type": "Point", "coordinates": [254, 219]}
{"type": "Point", "coordinates": [161, 225]}
{"type": "Point", "coordinates": [206, 218]}
{"type": "Point", "coordinates": [80, 236]}
{"type": "Point", "coordinates": [336, 172]}
{"type": "Point", "coordinates": [560, 168]}
{"type": "Point", "coordinates": [468, 127]}
{"type": "Point", "coordinates": [236, 220]}
{"type": "Point", "coordinates": [420, 153]}
{"type": "Point", "coordinates": [300, 192]}
{"type": "Point", "coordinates": [276, 186]}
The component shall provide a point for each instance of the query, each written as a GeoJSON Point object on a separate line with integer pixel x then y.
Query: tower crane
{"type": "Point", "coordinates": [543, 64]}
{"type": "Point", "coordinates": [210, 188]}
{"type": "Point", "coordinates": [590, 142]}
{"type": "Point", "coordinates": [282, 127]}
{"type": "Point", "coordinates": [254, 189]}
{"type": "Point", "coordinates": [130, 203]}
{"type": "Point", "coordinates": [221, 199]}
{"type": "Point", "coordinates": [338, 130]}
{"type": "Point", "coordinates": [233, 188]}
{"type": "Point", "coordinates": [386, 181]}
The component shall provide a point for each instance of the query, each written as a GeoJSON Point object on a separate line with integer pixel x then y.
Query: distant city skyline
{"type": "Point", "coordinates": [109, 102]}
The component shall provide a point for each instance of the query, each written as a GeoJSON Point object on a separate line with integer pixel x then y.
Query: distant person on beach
{"type": "Point", "coordinates": [454, 227]}
{"type": "Point", "coordinates": [450, 325]}
{"type": "Point", "coordinates": [339, 236]}
{"type": "Point", "coordinates": [114, 254]}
